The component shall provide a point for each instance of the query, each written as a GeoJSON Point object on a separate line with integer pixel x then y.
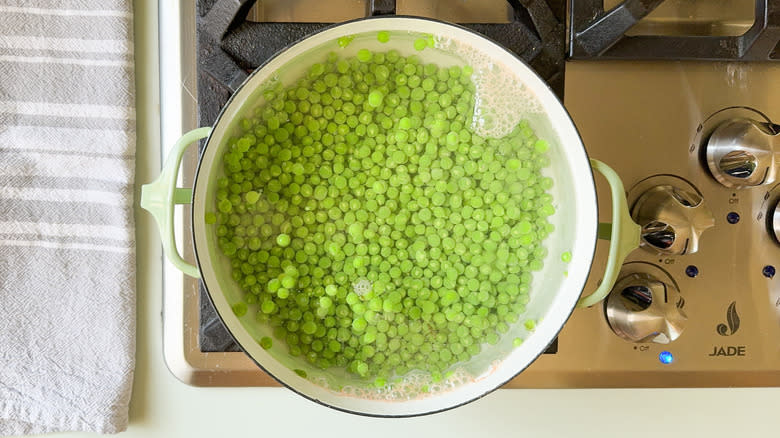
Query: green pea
{"type": "Point", "coordinates": [283, 240]}
{"type": "Point", "coordinates": [364, 55]}
{"type": "Point", "coordinates": [344, 41]}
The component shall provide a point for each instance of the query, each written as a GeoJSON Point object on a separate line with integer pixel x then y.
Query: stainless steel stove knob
{"type": "Point", "coordinates": [672, 219]}
{"type": "Point", "coordinates": [743, 153]}
{"type": "Point", "coordinates": [774, 220]}
{"type": "Point", "coordinates": [641, 308]}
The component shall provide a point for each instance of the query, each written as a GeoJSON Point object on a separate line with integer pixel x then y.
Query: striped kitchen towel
{"type": "Point", "coordinates": [67, 248]}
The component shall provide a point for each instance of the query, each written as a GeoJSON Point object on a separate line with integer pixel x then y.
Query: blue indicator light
{"type": "Point", "coordinates": [665, 357]}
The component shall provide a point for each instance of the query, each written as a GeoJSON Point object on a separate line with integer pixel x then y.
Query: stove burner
{"type": "Point", "coordinates": [230, 46]}
{"type": "Point", "coordinates": [599, 34]}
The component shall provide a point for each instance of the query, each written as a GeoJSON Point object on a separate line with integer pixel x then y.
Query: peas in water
{"type": "Point", "coordinates": [371, 228]}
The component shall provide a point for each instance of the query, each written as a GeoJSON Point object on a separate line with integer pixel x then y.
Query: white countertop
{"type": "Point", "coordinates": [164, 407]}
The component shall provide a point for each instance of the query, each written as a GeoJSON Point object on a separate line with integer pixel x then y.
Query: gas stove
{"type": "Point", "coordinates": [681, 98]}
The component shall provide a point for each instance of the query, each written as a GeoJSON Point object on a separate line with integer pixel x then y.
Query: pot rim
{"type": "Point", "coordinates": [230, 326]}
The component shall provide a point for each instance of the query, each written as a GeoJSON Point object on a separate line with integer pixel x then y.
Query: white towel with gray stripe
{"type": "Point", "coordinates": [67, 248]}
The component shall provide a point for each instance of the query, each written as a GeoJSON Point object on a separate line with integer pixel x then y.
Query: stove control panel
{"type": "Point", "coordinates": [698, 305]}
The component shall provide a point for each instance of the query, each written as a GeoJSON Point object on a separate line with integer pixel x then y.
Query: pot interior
{"type": "Point", "coordinates": [554, 290]}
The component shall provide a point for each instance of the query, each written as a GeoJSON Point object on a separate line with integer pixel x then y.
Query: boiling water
{"type": "Point", "coordinates": [502, 101]}
{"type": "Point", "coordinates": [412, 386]}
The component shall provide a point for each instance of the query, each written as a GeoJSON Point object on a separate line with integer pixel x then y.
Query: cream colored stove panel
{"type": "Point", "coordinates": [642, 119]}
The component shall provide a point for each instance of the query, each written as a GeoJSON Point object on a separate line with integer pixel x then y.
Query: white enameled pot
{"type": "Point", "coordinates": [554, 295]}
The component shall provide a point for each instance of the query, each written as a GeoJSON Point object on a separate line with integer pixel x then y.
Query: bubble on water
{"type": "Point", "coordinates": [362, 287]}
{"type": "Point", "coordinates": [318, 380]}
{"type": "Point", "coordinates": [415, 385]}
{"type": "Point", "coordinates": [501, 101]}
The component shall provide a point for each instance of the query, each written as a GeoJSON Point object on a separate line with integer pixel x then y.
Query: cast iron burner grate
{"type": "Point", "coordinates": [596, 33]}
{"type": "Point", "coordinates": [230, 47]}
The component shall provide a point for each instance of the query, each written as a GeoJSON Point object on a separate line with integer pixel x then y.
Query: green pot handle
{"type": "Point", "coordinates": [159, 197]}
{"type": "Point", "coordinates": [623, 234]}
